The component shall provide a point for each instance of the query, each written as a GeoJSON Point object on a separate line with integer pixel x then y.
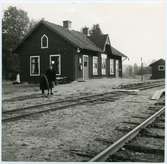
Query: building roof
{"type": "Point", "coordinates": [157, 61]}
{"type": "Point", "coordinates": [78, 39]}
{"type": "Point", "coordinates": [101, 41]}
{"type": "Point", "coordinates": [117, 53]}
{"type": "Point", "coordinates": [75, 37]}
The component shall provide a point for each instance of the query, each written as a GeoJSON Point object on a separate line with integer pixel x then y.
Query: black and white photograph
{"type": "Point", "coordinates": [83, 81]}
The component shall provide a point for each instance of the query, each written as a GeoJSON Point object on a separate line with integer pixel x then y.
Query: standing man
{"type": "Point", "coordinates": [51, 76]}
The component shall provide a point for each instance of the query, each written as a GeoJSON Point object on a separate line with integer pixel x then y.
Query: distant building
{"type": "Point", "coordinates": [73, 54]}
{"type": "Point", "coordinates": [158, 69]}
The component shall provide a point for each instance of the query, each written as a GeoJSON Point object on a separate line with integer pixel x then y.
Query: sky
{"type": "Point", "coordinates": [135, 28]}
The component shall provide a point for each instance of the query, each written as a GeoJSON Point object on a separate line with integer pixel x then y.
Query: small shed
{"type": "Point", "coordinates": [158, 69]}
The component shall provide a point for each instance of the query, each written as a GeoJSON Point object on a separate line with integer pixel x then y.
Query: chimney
{"type": "Point", "coordinates": [67, 24]}
{"type": "Point", "coordinates": [85, 31]}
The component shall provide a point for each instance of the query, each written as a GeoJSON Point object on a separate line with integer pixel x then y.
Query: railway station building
{"type": "Point", "coordinates": [158, 69]}
{"type": "Point", "coordinates": [74, 55]}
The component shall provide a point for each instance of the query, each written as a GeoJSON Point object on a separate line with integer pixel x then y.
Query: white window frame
{"type": "Point", "coordinates": [112, 73]}
{"type": "Point", "coordinates": [38, 66]}
{"type": "Point", "coordinates": [95, 57]}
{"type": "Point", "coordinates": [44, 35]}
{"type": "Point", "coordinates": [59, 61]}
{"type": "Point", "coordinates": [159, 68]}
{"type": "Point", "coordinates": [103, 56]}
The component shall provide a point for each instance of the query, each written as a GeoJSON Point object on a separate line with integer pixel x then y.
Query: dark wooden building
{"type": "Point", "coordinates": [158, 69]}
{"type": "Point", "coordinates": [73, 54]}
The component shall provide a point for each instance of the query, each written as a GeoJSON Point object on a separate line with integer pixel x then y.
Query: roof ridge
{"type": "Point", "coordinates": [74, 31]}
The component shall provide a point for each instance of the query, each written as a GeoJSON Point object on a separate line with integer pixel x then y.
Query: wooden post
{"type": "Point", "coordinates": [141, 69]}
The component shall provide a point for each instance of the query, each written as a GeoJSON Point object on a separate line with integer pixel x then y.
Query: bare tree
{"type": "Point", "coordinates": [135, 69]}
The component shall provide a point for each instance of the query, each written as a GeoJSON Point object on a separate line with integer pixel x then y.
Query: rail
{"type": "Point", "coordinates": [102, 156]}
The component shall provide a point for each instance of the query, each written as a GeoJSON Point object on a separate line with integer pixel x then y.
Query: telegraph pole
{"type": "Point", "coordinates": [141, 69]}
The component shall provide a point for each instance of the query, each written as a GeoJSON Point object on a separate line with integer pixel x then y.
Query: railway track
{"type": "Point", "coordinates": [140, 86]}
{"type": "Point", "coordinates": [15, 114]}
{"type": "Point", "coordinates": [22, 98]}
{"type": "Point", "coordinates": [120, 153]}
{"type": "Point", "coordinates": [139, 144]}
{"type": "Point", "coordinates": [19, 113]}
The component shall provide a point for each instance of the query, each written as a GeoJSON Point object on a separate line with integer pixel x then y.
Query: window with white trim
{"type": "Point", "coordinates": [161, 68]}
{"type": "Point", "coordinates": [103, 64]}
{"type": "Point", "coordinates": [44, 41]}
{"type": "Point", "coordinates": [55, 61]}
{"type": "Point", "coordinates": [34, 65]}
{"type": "Point", "coordinates": [95, 65]}
{"type": "Point", "coordinates": [111, 66]}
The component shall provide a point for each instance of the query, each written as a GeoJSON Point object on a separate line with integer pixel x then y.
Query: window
{"type": "Point", "coordinates": [111, 66]}
{"type": "Point", "coordinates": [55, 61]}
{"type": "Point", "coordinates": [34, 65]}
{"type": "Point", "coordinates": [103, 66]}
{"type": "Point", "coordinates": [95, 65]}
{"type": "Point", "coordinates": [161, 68]}
{"type": "Point", "coordinates": [44, 41]}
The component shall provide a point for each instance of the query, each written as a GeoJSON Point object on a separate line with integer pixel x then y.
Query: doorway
{"type": "Point", "coordinates": [117, 68]}
{"type": "Point", "coordinates": [85, 67]}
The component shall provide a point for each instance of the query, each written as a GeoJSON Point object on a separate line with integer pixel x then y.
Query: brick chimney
{"type": "Point", "coordinates": [67, 24]}
{"type": "Point", "coordinates": [85, 31]}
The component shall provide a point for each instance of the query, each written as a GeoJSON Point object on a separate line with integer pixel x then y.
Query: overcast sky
{"type": "Point", "coordinates": [136, 29]}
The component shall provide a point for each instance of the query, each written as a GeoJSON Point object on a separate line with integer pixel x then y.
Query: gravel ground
{"type": "Point", "coordinates": [92, 86]}
{"type": "Point", "coordinates": [55, 135]}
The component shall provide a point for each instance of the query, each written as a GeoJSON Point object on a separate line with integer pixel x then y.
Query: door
{"type": "Point", "coordinates": [85, 67]}
{"type": "Point", "coordinates": [80, 67]}
{"type": "Point", "coordinates": [117, 68]}
{"type": "Point", "coordinates": [103, 64]}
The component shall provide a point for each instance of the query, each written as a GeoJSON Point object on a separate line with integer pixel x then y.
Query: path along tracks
{"type": "Point", "coordinates": [19, 113]}
{"type": "Point", "coordinates": [127, 144]}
